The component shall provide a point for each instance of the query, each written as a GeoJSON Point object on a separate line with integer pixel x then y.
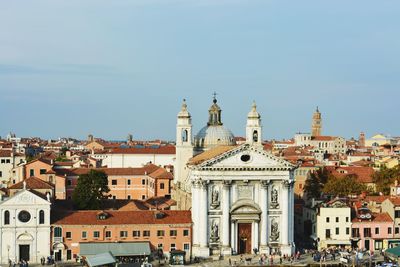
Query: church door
{"type": "Point", "coordinates": [24, 252]}
{"type": "Point", "coordinates": [244, 238]}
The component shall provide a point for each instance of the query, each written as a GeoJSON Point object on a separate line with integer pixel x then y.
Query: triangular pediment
{"type": "Point", "coordinates": [25, 197]}
{"type": "Point", "coordinates": [246, 157]}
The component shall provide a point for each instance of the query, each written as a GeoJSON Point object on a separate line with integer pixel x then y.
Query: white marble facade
{"type": "Point", "coordinates": [230, 196]}
{"type": "Point", "coordinates": [25, 227]}
{"type": "Point", "coordinates": [242, 196]}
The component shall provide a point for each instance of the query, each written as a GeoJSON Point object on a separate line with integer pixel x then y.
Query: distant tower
{"type": "Point", "coordinates": [90, 138]}
{"type": "Point", "coordinates": [184, 145]}
{"type": "Point", "coordinates": [253, 127]}
{"type": "Point", "coordinates": [361, 139]}
{"type": "Point", "coordinates": [130, 138]}
{"type": "Point", "coordinates": [316, 127]}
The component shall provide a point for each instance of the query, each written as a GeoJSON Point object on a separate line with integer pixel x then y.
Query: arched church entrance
{"type": "Point", "coordinates": [24, 243]}
{"type": "Point", "coordinates": [245, 218]}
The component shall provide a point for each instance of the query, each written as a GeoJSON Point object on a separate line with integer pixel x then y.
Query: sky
{"type": "Point", "coordinates": [69, 68]}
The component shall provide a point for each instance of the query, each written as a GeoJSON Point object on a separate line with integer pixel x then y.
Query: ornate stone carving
{"type": "Point", "coordinates": [274, 231]}
{"type": "Point", "coordinates": [265, 184]}
{"type": "Point", "coordinates": [274, 198]}
{"type": "Point", "coordinates": [245, 191]}
{"type": "Point", "coordinates": [287, 183]}
{"type": "Point", "coordinates": [214, 236]}
{"type": "Point", "coordinates": [199, 183]}
{"type": "Point", "coordinates": [215, 200]}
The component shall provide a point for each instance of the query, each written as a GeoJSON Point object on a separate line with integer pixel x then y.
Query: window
{"type": "Point", "coordinates": [1, 174]}
{"type": "Point", "coordinates": [143, 181]}
{"type": "Point", "coordinates": [396, 230]}
{"type": "Point", "coordinates": [8, 161]}
{"type": "Point", "coordinates": [68, 235]}
{"type": "Point", "coordinates": [337, 230]}
{"type": "Point", "coordinates": [377, 230]}
{"type": "Point", "coordinates": [69, 254]}
{"type": "Point", "coordinates": [129, 196]}
{"type": "Point", "coordinates": [173, 247]}
{"type": "Point", "coordinates": [31, 172]}
{"type": "Point", "coordinates": [143, 196]}
{"type": "Point", "coordinates": [337, 219]}
{"type": "Point", "coordinates": [146, 233]}
{"type": "Point", "coordinates": [69, 182]}
{"type": "Point", "coordinates": [160, 246]}
{"type": "Point", "coordinates": [347, 219]}
{"type": "Point", "coordinates": [185, 232]}
{"type": "Point", "coordinates": [113, 182]}
{"type": "Point", "coordinates": [327, 219]}
{"type": "Point", "coordinates": [42, 171]}
{"type": "Point", "coordinates": [57, 232]}
{"type": "Point", "coordinates": [186, 247]}
{"type": "Point", "coordinates": [367, 232]}
{"type": "Point", "coordinates": [347, 230]}
{"type": "Point", "coordinates": [129, 181]}
{"type": "Point", "coordinates": [123, 234]}
{"type": "Point", "coordinates": [136, 233]}
{"type": "Point", "coordinates": [84, 234]}
{"type": "Point", "coordinates": [162, 186]}
{"type": "Point", "coordinates": [173, 233]}
{"type": "Point", "coordinates": [108, 234]}
{"type": "Point", "coordinates": [96, 234]}
{"type": "Point", "coordinates": [41, 217]}
{"type": "Point", "coordinates": [327, 233]}
{"type": "Point", "coordinates": [389, 230]}
{"type": "Point", "coordinates": [114, 197]}
{"type": "Point", "coordinates": [397, 213]}
{"type": "Point", "coordinates": [3, 161]}
{"type": "Point", "coordinates": [160, 233]}
{"type": "Point", "coordinates": [6, 217]}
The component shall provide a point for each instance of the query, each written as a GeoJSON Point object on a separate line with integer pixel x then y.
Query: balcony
{"type": "Point", "coordinates": [58, 239]}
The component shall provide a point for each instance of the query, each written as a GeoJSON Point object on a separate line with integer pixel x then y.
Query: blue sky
{"type": "Point", "coordinates": [70, 68]}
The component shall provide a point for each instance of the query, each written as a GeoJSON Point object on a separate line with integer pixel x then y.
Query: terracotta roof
{"type": "Point", "coordinates": [364, 174]}
{"type": "Point", "coordinates": [146, 170]}
{"type": "Point", "coordinates": [161, 173]}
{"type": "Point", "coordinates": [121, 217]}
{"type": "Point", "coordinates": [324, 138]}
{"type": "Point", "coordinates": [209, 154]}
{"type": "Point", "coordinates": [376, 217]}
{"type": "Point", "coordinates": [145, 150]}
{"type": "Point", "coordinates": [5, 153]}
{"type": "Point", "coordinates": [395, 201]}
{"type": "Point", "coordinates": [377, 199]}
{"type": "Point", "coordinates": [32, 183]}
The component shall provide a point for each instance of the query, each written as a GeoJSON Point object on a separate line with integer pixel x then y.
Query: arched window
{"type": "Point", "coordinates": [184, 136]}
{"type": "Point", "coordinates": [6, 217]}
{"type": "Point", "coordinates": [255, 136]}
{"type": "Point", "coordinates": [41, 217]}
{"type": "Point", "coordinates": [57, 232]}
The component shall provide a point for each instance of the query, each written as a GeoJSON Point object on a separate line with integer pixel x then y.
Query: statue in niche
{"type": "Point", "coordinates": [214, 231]}
{"type": "Point", "coordinates": [274, 230]}
{"type": "Point", "coordinates": [215, 198]}
{"type": "Point", "coordinates": [274, 198]}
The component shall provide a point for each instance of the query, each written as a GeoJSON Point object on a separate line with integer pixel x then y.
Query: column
{"type": "Point", "coordinates": [233, 234]}
{"type": "Point", "coordinates": [225, 217]}
{"type": "Point", "coordinates": [195, 212]}
{"type": "Point", "coordinates": [264, 217]}
{"type": "Point", "coordinates": [256, 233]}
{"type": "Point", "coordinates": [285, 213]}
{"type": "Point", "coordinates": [203, 214]}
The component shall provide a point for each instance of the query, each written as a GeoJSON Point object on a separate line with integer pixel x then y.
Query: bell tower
{"type": "Point", "coordinates": [184, 145]}
{"type": "Point", "coordinates": [253, 127]}
{"type": "Point", "coordinates": [316, 127]}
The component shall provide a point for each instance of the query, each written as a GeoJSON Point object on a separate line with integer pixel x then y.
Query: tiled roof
{"type": "Point", "coordinates": [364, 174]}
{"type": "Point", "coordinates": [161, 173]}
{"type": "Point", "coordinates": [324, 138]}
{"type": "Point", "coordinates": [145, 150]}
{"type": "Point", "coordinates": [32, 183]}
{"type": "Point", "coordinates": [146, 170]}
{"type": "Point", "coordinates": [121, 217]}
{"type": "Point", "coordinates": [376, 217]}
{"type": "Point", "coordinates": [209, 154]}
{"type": "Point", "coordinates": [5, 153]}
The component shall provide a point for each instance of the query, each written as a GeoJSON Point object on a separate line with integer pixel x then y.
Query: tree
{"type": "Point", "coordinates": [315, 183]}
{"type": "Point", "coordinates": [385, 177]}
{"type": "Point", "coordinates": [91, 189]}
{"type": "Point", "coordinates": [344, 186]}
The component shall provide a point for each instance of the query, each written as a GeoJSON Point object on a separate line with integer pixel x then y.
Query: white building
{"type": "Point", "coordinates": [25, 227]}
{"type": "Point", "coordinates": [9, 160]}
{"type": "Point", "coordinates": [334, 224]}
{"type": "Point", "coordinates": [322, 144]}
{"type": "Point", "coordinates": [241, 196]}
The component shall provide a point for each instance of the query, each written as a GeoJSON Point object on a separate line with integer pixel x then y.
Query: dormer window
{"type": "Point", "coordinates": [102, 216]}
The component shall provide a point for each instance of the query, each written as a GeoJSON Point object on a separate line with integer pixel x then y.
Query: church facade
{"type": "Point", "coordinates": [241, 197]}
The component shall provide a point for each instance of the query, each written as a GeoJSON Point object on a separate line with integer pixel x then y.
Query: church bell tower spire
{"type": "Point", "coordinates": [253, 127]}
{"type": "Point", "coordinates": [316, 127]}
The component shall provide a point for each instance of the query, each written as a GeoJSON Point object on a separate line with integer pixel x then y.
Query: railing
{"type": "Point", "coordinates": [58, 239]}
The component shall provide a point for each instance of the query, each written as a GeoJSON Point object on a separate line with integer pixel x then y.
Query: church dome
{"type": "Point", "coordinates": [214, 133]}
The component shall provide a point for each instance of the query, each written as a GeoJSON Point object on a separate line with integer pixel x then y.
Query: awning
{"type": "Point", "coordinates": [338, 242]}
{"type": "Point", "coordinates": [394, 252]}
{"type": "Point", "coordinates": [117, 249]}
{"type": "Point", "coordinates": [100, 259]}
